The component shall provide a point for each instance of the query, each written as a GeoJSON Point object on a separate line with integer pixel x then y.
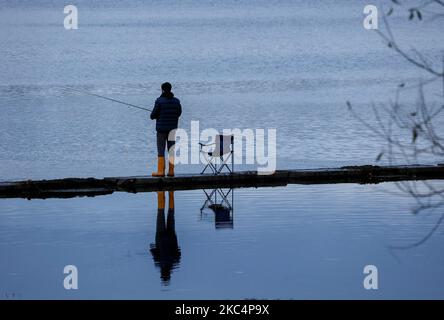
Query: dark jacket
{"type": "Point", "coordinates": [167, 110]}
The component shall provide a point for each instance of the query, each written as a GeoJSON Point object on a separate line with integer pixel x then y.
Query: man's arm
{"type": "Point", "coordinates": [156, 111]}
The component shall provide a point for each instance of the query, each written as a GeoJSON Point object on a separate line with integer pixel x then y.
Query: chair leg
{"type": "Point", "coordinates": [204, 168]}
{"type": "Point", "coordinates": [209, 164]}
{"type": "Point", "coordinates": [224, 164]}
{"type": "Point", "coordinates": [232, 161]}
{"type": "Point", "coordinates": [213, 167]}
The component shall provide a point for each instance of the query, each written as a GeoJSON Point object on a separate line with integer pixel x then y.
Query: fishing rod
{"type": "Point", "coordinates": [110, 99]}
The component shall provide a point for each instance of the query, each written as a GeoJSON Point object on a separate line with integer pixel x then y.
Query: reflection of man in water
{"type": "Point", "coordinates": [165, 251]}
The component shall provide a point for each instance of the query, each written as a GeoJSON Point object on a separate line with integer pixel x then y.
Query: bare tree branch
{"type": "Point", "coordinates": [409, 130]}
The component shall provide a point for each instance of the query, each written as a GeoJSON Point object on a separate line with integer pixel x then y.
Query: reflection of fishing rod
{"type": "Point", "coordinates": [110, 99]}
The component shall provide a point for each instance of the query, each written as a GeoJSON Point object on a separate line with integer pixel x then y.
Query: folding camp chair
{"type": "Point", "coordinates": [218, 202]}
{"type": "Point", "coordinates": [224, 150]}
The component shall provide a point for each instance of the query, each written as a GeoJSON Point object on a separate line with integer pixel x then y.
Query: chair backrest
{"type": "Point", "coordinates": [223, 144]}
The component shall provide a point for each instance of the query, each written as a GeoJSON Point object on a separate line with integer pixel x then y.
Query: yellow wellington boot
{"type": "Point", "coordinates": [161, 200]}
{"type": "Point", "coordinates": [160, 167]}
{"type": "Point", "coordinates": [170, 167]}
{"type": "Point", "coordinates": [170, 200]}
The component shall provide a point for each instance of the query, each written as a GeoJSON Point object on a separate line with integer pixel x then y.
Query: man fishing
{"type": "Point", "coordinates": [167, 110]}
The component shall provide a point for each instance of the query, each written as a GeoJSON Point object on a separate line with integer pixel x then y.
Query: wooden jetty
{"type": "Point", "coordinates": [75, 187]}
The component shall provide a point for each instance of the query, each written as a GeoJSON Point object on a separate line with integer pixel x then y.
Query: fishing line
{"type": "Point", "coordinates": [109, 99]}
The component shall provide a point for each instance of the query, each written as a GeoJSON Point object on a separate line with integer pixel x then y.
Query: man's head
{"type": "Point", "coordinates": [166, 87]}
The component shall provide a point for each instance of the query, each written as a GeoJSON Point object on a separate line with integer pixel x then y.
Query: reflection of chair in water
{"type": "Point", "coordinates": [218, 202]}
{"type": "Point", "coordinates": [166, 252]}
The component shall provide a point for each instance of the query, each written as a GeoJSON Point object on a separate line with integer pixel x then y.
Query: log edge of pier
{"type": "Point", "coordinates": [74, 187]}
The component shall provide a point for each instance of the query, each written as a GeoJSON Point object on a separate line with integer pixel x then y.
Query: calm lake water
{"type": "Point", "coordinates": [285, 242]}
{"type": "Point", "coordinates": [288, 65]}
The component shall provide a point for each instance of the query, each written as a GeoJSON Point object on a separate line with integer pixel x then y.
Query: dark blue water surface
{"type": "Point", "coordinates": [285, 242]}
{"type": "Point", "coordinates": [281, 64]}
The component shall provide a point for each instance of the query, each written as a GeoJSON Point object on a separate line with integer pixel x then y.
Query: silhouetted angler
{"type": "Point", "coordinates": [166, 252]}
{"type": "Point", "coordinates": [167, 110]}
